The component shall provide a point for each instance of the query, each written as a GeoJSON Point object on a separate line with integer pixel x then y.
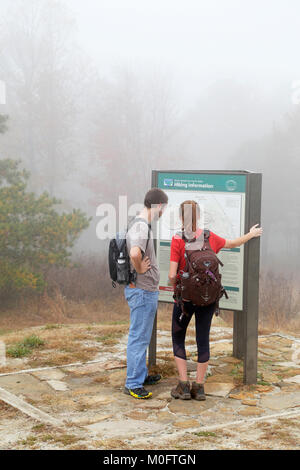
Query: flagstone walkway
{"type": "Point", "coordinates": [81, 405]}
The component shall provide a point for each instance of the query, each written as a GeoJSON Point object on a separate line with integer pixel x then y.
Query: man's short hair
{"type": "Point", "coordinates": [155, 196]}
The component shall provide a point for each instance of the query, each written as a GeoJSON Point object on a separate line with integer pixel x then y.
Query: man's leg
{"type": "Point", "coordinates": [143, 306]}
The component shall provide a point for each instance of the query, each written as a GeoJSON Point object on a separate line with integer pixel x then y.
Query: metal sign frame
{"type": "Point", "coordinates": [245, 322]}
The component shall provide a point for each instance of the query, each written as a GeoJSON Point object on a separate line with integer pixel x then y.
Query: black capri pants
{"type": "Point", "coordinates": [203, 319]}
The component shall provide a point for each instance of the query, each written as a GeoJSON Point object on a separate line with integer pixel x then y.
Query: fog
{"type": "Point", "coordinates": [100, 92]}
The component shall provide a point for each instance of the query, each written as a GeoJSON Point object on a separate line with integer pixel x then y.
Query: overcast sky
{"type": "Point", "coordinates": [197, 41]}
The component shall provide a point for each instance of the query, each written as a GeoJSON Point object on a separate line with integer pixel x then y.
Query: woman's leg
{"type": "Point", "coordinates": [179, 328]}
{"type": "Point", "coordinates": [203, 319]}
{"type": "Point", "coordinates": [201, 371]}
{"type": "Point", "coordinates": [182, 369]}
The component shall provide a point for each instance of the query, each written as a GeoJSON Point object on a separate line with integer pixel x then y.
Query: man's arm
{"type": "Point", "coordinates": [140, 264]}
{"type": "Point", "coordinates": [254, 232]}
{"type": "Point", "coordinates": [139, 237]}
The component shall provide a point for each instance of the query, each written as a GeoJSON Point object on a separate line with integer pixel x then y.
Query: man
{"type": "Point", "coordinates": [142, 296]}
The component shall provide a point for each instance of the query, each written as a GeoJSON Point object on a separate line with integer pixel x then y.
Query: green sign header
{"type": "Point", "coordinates": [202, 182]}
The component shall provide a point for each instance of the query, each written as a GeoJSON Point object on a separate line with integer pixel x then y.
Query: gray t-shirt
{"type": "Point", "coordinates": [137, 235]}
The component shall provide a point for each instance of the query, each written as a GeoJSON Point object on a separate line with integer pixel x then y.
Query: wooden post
{"type": "Point", "coordinates": [153, 345]}
{"type": "Point", "coordinates": [252, 281]}
{"type": "Point", "coordinates": [153, 341]}
{"type": "Point", "coordinates": [238, 334]}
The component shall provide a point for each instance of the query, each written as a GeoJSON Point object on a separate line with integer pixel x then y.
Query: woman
{"type": "Point", "coordinates": [190, 217]}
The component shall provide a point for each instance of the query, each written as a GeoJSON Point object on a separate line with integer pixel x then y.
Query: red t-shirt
{"type": "Point", "coordinates": [178, 247]}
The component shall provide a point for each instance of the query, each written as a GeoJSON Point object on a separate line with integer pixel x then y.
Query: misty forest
{"type": "Point", "coordinates": [78, 130]}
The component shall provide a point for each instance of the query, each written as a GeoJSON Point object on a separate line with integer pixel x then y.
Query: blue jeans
{"type": "Point", "coordinates": [143, 307]}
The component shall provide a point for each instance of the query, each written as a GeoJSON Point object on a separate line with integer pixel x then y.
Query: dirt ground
{"type": "Point", "coordinates": [65, 391]}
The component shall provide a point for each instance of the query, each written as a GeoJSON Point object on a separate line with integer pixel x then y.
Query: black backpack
{"type": "Point", "coordinates": [118, 257]}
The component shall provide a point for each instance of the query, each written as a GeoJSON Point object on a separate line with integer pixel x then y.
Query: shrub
{"type": "Point", "coordinates": [33, 235]}
{"type": "Point", "coordinates": [25, 347]}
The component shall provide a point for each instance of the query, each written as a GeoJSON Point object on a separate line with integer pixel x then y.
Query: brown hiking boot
{"type": "Point", "coordinates": [183, 391]}
{"type": "Point", "coordinates": [197, 391]}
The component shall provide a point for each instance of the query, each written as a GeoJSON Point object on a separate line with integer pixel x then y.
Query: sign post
{"type": "Point", "coordinates": [230, 203]}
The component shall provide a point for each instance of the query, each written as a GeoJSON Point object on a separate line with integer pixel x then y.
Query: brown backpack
{"type": "Point", "coordinates": [200, 282]}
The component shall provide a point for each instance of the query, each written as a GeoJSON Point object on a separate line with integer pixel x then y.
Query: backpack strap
{"type": "Point", "coordinates": [206, 241]}
{"type": "Point", "coordinates": [206, 234]}
{"type": "Point", "coordinates": [140, 219]}
{"type": "Point", "coordinates": [187, 239]}
{"type": "Point", "coordinates": [217, 309]}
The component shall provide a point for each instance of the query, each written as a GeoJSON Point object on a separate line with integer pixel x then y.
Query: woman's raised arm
{"type": "Point", "coordinates": [173, 272]}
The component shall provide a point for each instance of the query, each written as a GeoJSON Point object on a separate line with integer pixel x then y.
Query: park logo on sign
{"type": "Point", "coordinates": [231, 185]}
{"type": "Point", "coordinates": [168, 182]}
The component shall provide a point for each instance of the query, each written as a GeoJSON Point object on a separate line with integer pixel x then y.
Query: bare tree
{"type": "Point", "coordinates": [134, 119]}
{"type": "Point", "coordinates": [225, 115]}
{"type": "Point", "coordinates": [43, 69]}
{"type": "Point", "coordinates": [276, 155]}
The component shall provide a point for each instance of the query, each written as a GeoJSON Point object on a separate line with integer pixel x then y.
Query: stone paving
{"type": "Point", "coordinates": [87, 402]}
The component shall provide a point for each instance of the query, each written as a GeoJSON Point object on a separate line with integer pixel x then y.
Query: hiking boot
{"type": "Point", "coordinates": [197, 391]}
{"type": "Point", "coordinates": [182, 391]}
{"type": "Point", "coordinates": [141, 392]}
{"type": "Point", "coordinates": [152, 379]}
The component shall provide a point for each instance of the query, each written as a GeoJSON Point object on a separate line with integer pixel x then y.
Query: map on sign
{"type": "Point", "coordinates": [221, 198]}
{"type": "Point", "coordinates": [219, 213]}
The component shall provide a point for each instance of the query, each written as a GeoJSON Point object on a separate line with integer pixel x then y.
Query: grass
{"type": "Point", "coordinates": [52, 327]}
{"type": "Point", "coordinates": [52, 315]}
{"type": "Point", "coordinates": [110, 338]}
{"type": "Point", "coordinates": [101, 380]}
{"type": "Point", "coordinates": [260, 380]}
{"type": "Point", "coordinates": [63, 439]}
{"type": "Point", "coordinates": [74, 297]}
{"type": "Point", "coordinates": [278, 303]}
{"type": "Point", "coordinates": [276, 432]}
{"type": "Point", "coordinates": [61, 358]}
{"type": "Point", "coordinates": [116, 322]}
{"type": "Point", "coordinates": [266, 365]}
{"type": "Point", "coordinates": [39, 427]}
{"type": "Point", "coordinates": [29, 441]}
{"type": "Point", "coordinates": [68, 343]}
{"type": "Point", "coordinates": [18, 351]}
{"type": "Point", "coordinates": [205, 434]}
{"type": "Point", "coordinates": [25, 347]}
{"type": "Point", "coordinates": [33, 341]}
{"type": "Point", "coordinates": [292, 422]}
{"type": "Point", "coordinates": [237, 370]}
{"type": "Point", "coordinates": [111, 444]}
{"type": "Point", "coordinates": [4, 331]}
{"type": "Point", "coordinates": [7, 411]}
{"type": "Point", "coordinates": [166, 369]}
